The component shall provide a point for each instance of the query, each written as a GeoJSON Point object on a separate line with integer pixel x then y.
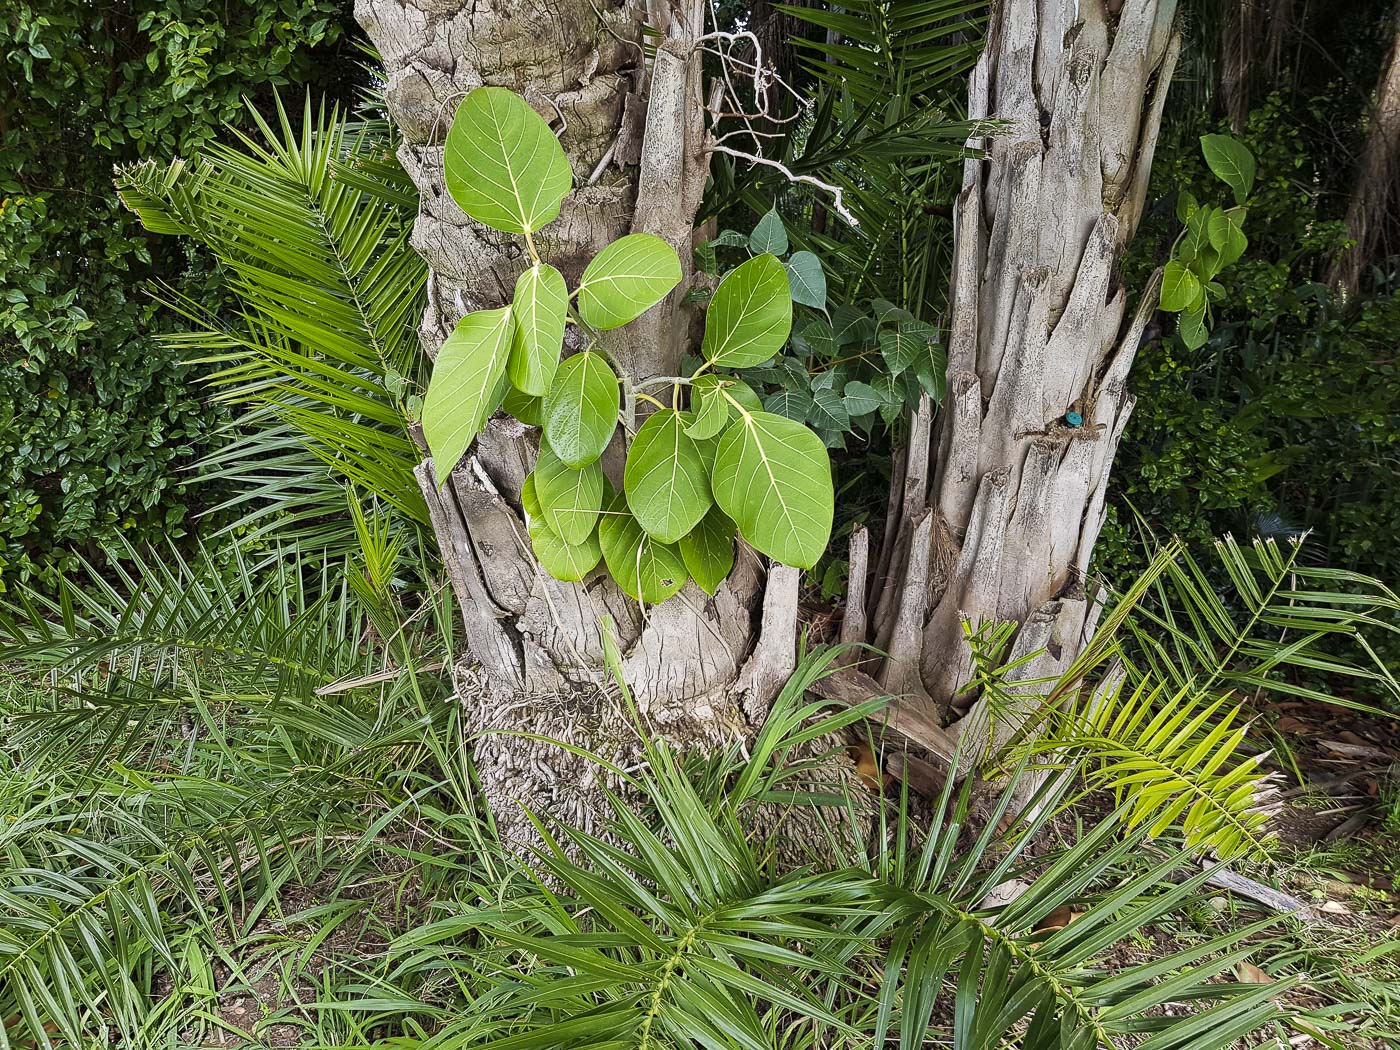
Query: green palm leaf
{"type": "Point", "coordinates": [311, 229]}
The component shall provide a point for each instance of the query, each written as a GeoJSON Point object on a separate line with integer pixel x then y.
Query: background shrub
{"type": "Point", "coordinates": [97, 418]}
{"type": "Point", "coordinates": [1287, 418]}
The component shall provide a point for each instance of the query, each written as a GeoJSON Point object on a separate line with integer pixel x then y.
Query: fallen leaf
{"type": "Point", "coordinates": [1058, 919]}
{"type": "Point", "coordinates": [1247, 973]}
{"type": "Point", "coordinates": [1289, 724]}
{"type": "Point", "coordinates": [868, 768]}
{"type": "Point", "coordinates": [1347, 750]}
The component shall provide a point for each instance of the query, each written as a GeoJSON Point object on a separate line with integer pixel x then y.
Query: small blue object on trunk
{"type": "Point", "coordinates": [1074, 419]}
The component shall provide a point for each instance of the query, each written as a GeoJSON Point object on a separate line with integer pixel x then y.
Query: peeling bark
{"type": "Point", "coordinates": [1037, 332]}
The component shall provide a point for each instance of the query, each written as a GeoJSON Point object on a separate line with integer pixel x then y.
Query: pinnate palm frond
{"type": "Point", "coordinates": [127, 646]}
{"type": "Point", "coordinates": [1174, 760]}
{"type": "Point", "coordinates": [186, 738]}
{"type": "Point", "coordinates": [1283, 628]}
{"type": "Point", "coordinates": [880, 51]}
{"type": "Point", "coordinates": [1153, 705]}
{"type": "Point", "coordinates": [311, 230]}
{"type": "Point", "coordinates": [674, 929]}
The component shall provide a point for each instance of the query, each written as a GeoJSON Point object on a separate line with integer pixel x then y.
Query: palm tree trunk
{"type": "Point", "coordinates": [1003, 500]}
{"type": "Point", "coordinates": [998, 507]}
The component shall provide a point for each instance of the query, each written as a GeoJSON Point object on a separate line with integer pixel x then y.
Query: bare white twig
{"type": "Point", "coordinates": [838, 201]}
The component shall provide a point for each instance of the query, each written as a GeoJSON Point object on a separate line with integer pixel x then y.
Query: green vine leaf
{"type": "Point", "coordinates": [529, 410]}
{"type": "Point", "coordinates": [1232, 163]}
{"type": "Point", "coordinates": [569, 499]}
{"type": "Point", "coordinates": [580, 410]}
{"type": "Point", "coordinates": [770, 235]}
{"type": "Point", "coordinates": [794, 404]}
{"type": "Point", "coordinates": [829, 410]}
{"type": "Point", "coordinates": [907, 345]}
{"type": "Point", "coordinates": [1180, 287]}
{"type": "Point", "coordinates": [466, 385]}
{"type": "Point", "coordinates": [1191, 326]}
{"type": "Point", "coordinates": [569, 562]}
{"type": "Point", "coordinates": [750, 315]}
{"type": "Point", "coordinates": [773, 477]}
{"type": "Point", "coordinates": [806, 280]}
{"type": "Point", "coordinates": [502, 164]}
{"type": "Point", "coordinates": [540, 307]}
{"type": "Point", "coordinates": [861, 399]}
{"type": "Point", "coordinates": [667, 485]}
{"type": "Point", "coordinates": [627, 278]}
{"type": "Point", "coordinates": [647, 571]}
{"type": "Point", "coordinates": [710, 408]}
{"type": "Point", "coordinates": [708, 550]}
{"type": "Point", "coordinates": [1227, 237]}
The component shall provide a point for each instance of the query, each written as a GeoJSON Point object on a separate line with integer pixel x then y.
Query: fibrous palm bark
{"type": "Point", "coordinates": [702, 669]}
{"type": "Point", "coordinates": [997, 508]}
{"type": "Point", "coordinates": [1002, 502]}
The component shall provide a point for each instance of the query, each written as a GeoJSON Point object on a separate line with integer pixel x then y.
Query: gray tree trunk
{"type": "Point", "coordinates": [998, 508]}
{"type": "Point", "coordinates": [1003, 501]}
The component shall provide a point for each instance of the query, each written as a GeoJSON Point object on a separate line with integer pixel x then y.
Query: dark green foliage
{"type": "Point", "coordinates": [99, 419]}
{"type": "Point", "coordinates": [1286, 419]}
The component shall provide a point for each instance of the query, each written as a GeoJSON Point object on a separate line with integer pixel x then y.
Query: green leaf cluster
{"type": "Point", "coordinates": [1212, 240]}
{"type": "Point", "coordinates": [695, 477]}
{"type": "Point", "coordinates": [101, 421]}
{"type": "Point", "coordinates": [844, 371]}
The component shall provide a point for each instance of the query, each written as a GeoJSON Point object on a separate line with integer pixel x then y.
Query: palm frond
{"type": "Point", "coordinates": [311, 229]}
{"type": "Point", "coordinates": [1152, 704]}
{"type": "Point", "coordinates": [1173, 759]}
{"type": "Point", "coordinates": [674, 930]}
{"type": "Point", "coordinates": [1283, 629]}
{"type": "Point", "coordinates": [189, 738]}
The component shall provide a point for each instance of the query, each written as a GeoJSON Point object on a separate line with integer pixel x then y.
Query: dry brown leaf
{"type": "Point", "coordinates": [868, 768]}
{"type": "Point", "coordinates": [1058, 919]}
{"type": "Point", "coordinates": [1247, 973]}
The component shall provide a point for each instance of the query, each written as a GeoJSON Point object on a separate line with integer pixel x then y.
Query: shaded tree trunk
{"type": "Point", "coordinates": [1370, 218]}
{"type": "Point", "coordinates": [997, 509]}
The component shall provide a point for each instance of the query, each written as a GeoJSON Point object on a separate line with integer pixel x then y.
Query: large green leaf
{"type": "Point", "coordinates": [667, 485]}
{"type": "Point", "coordinates": [770, 235]}
{"type": "Point", "coordinates": [750, 315]}
{"type": "Point", "coordinates": [907, 344]}
{"type": "Point", "coordinates": [627, 278]}
{"type": "Point", "coordinates": [708, 550]}
{"type": "Point", "coordinates": [1180, 287]}
{"type": "Point", "coordinates": [569, 499]}
{"type": "Point", "coordinates": [1227, 237]}
{"type": "Point", "coordinates": [806, 280]}
{"type": "Point", "coordinates": [580, 410]}
{"type": "Point", "coordinates": [773, 477]}
{"type": "Point", "coordinates": [565, 561]}
{"type": "Point", "coordinates": [1231, 162]}
{"type": "Point", "coordinates": [467, 385]}
{"type": "Point", "coordinates": [647, 571]}
{"type": "Point", "coordinates": [502, 164]}
{"type": "Point", "coordinates": [540, 306]}
{"type": "Point", "coordinates": [529, 410]}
